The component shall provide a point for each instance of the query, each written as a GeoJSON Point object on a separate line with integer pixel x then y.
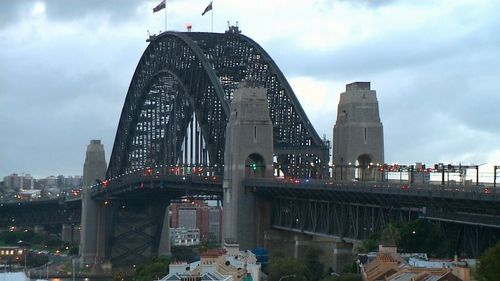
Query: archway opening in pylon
{"type": "Point", "coordinates": [365, 167]}
{"type": "Point", "coordinates": [255, 166]}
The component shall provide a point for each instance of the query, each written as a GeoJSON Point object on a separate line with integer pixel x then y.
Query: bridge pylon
{"type": "Point", "coordinates": [358, 137]}
{"type": "Point", "coordinates": [248, 153]}
{"type": "Point", "coordinates": [93, 213]}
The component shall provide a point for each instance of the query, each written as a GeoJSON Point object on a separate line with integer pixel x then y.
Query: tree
{"type": "Point", "coordinates": [10, 238]}
{"type": "Point", "coordinates": [424, 237]}
{"type": "Point", "coordinates": [154, 270]}
{"type": "Point", "coordinates": [183, 253]}
{"type": "Point", "coordinates": [279, 267]}
{"type": "Point", "coordinates": [344, 277]}
{"type": "Point", "coordinates": [489, 264]}
{"type": "Point", "coordinates": [370, 244]}
{"type": "Point", "coordinates": [314, 269]}
{"type": "Point", "coordinates": [391, 232]}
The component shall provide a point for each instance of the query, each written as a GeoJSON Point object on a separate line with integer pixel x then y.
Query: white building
{"type": "Point", "coordinates": [228, 264]}
{"type": "Point", "coordinates": [184, 236]}
{"type": "Point", "coordinates": [13, 276]}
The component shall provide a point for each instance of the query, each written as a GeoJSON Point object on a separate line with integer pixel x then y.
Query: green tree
{"type": "Point", "coordinates": [424, 237]}
{"type": "Point", "coordinates": [344, 277]}
{"type": "Point", "coordinates": [279, 267]}
{"type": "Point", "coordinates": [489, 265]}
{"type": "Point", "coordinates": [370, 244]}
{"type": "Point", "coordinates": [314, 269]}
{"type": "Point", "coordinates": [10, 238]}
{"type": "Point", "coordinates": [391, 232]}
{"type": "Point", "coordinates": [153, 270]}
{"type": "Point", "coordinates": [183, 253]}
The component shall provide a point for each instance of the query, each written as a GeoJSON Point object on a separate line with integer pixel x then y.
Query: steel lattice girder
{"type": "Point", "coordinates": [185, 74]}
{"type": "Point", "coordinates": [48, 212]}
{"type": "Point", "coordinates": [135, 231]}
{"type": "Point", "coordinates": [338, 219]}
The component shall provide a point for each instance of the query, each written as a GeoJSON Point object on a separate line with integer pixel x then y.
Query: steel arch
{"type": "Point", "coordinates": [186, 78]}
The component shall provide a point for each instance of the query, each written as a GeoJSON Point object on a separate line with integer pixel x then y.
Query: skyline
{"type": "Point", "coordinates": [65, 72]}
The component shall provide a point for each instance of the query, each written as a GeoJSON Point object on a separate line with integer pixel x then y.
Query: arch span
{"type": "Point", "coordinates": [177, 105]}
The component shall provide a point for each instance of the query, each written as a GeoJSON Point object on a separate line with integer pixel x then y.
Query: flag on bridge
{"type": "Point", "coordinates": [159, 7]}
{"type": "Point", "coordinates": [208, 8]}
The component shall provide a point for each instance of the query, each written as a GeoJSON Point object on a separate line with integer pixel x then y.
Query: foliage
{"type": "Point", "coordinates": [314, 269]}
{"type": "Point", "coordinates": [10, 238]}
{"type": "Point", "coordinates": [205, 245]}
{"type": "Point", "coordinates": [391, 232]}
{"type": "Point", "coordinates": [283, 266]}
{"type": "Point", "coordinates": [370, 244]}
{"type": "Point", "coordinates": [344, 277]}
{"type": "Point", "coordinates": [53, 242]}
{"type": "Point", "coordinates": [36, 260]}
{"type": "Point", "coordinates": [153, 270]}
{"type": "Point", "coordinates": [489, 265]}
{"type": "Point", "coordinates": [354, 268]}
{"type": "Point", "coordinates": [424, 237]}
{"type": "Point", "coordinates": [416, 236]}
{"type": "Point", "coordinates": [183, 253]}
{"type": "Point", "coordinates": [73, 250]}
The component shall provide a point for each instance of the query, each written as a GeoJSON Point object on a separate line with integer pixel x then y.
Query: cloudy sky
{"type": "Point", "coordinates": [65, 67]}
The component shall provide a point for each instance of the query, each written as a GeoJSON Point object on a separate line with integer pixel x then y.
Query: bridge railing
{"type": "Point", "coordinates": [163, 170]}
{"type": "Point", "coordinates": [448, 191]}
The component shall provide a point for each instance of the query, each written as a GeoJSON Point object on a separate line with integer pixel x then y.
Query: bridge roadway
{"type": "Point", "coordinates": [463, 204]}
{"type": "Point", "coordinates": [40, 212]}
{"type": "Point", "coordinates": [473, 199]}
{"type": "Point", "coordinates": [311, 200]}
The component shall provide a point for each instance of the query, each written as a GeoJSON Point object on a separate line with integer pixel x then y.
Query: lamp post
{"type": "Point", "coordinates": [495, 176]}
{"type": "Point", "coordinates": [287, 276]}
{"type": "Point", "coordinates": [73, 267]}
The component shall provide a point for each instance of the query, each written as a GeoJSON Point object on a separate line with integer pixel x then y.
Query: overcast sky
{"type": "Point", "coordinates": [65, 67]}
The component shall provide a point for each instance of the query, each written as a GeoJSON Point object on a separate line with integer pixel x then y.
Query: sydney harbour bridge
{"type": "Point", "coordinates": [171, 142]}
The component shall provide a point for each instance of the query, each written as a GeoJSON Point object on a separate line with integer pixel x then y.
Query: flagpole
{"type": "Point", "coordinates": [212, 16]}
{"type": "Point", "coordinates": [165, 16]}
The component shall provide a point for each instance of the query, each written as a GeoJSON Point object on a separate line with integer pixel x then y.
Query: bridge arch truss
{"type": "Point", "coordinates": [177, 106]}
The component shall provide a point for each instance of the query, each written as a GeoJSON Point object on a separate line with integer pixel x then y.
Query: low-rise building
{"type": "Point", "coordinates": [12, 254]}
{"type": "Point", "coordinates": [184, 236]}
{"type": "Point", "coordinates": [388, 265]}
{"type": "Point", "coordinates": [197, 214]}
{"type": "Point", "coordinates": [227, 264]}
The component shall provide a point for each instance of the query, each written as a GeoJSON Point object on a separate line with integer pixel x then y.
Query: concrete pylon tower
{"type": "Point", "coordinates": [358, 137]}
{"type": "Point", "coordinates": [248, 153]}
{"type": "Point", "coordinates": [94, 168]}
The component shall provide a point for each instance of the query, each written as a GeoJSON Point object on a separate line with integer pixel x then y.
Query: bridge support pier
{"type": "Point", "coordinates": [135, 232]}
{"type": "Point", "coordinates": [93, 213]}
{"type": "Point", "coordinates": [164, 249]}
{"type": "Point", "coordinates": [342, 256]}
{"type": "Point", "coordinates": [263, 220]}
{"type": "Point", "coordinates": [67, 233]}
{"type": "Point", "coordinates": [70, 233]}
{"type": "Point", "coordinates": [248, 153]}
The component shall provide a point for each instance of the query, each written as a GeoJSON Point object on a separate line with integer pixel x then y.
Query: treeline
{"type": "Point", "coordinates": [418, 236]}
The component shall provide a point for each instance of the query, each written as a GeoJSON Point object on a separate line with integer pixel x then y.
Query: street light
{"type": "Point", "coordinates": [287, 276]}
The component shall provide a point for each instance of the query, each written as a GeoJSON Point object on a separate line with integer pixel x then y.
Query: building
{"type": "Point", "coordinates": [12, 254]}
{"type": "Point", "coordinates": [228, 264]}
{"type": "Point", "coordinates": [184, 236]}
{"type": "Point", "coordinates": [29, 194]}
{"type": "Point", "coordinates": [388, 265]}
{"type": "Point", "coordinates": [191, 214]}
{"type": "Point", "coordinates": [19, 181]}
{"type": "Point", "coordinates": [14, 276]}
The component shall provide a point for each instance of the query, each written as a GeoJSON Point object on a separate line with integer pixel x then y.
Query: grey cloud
{"type": "Point", "coordinates": [64, 10]}
{"type": "Point", "coordinates": [119, 10]}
